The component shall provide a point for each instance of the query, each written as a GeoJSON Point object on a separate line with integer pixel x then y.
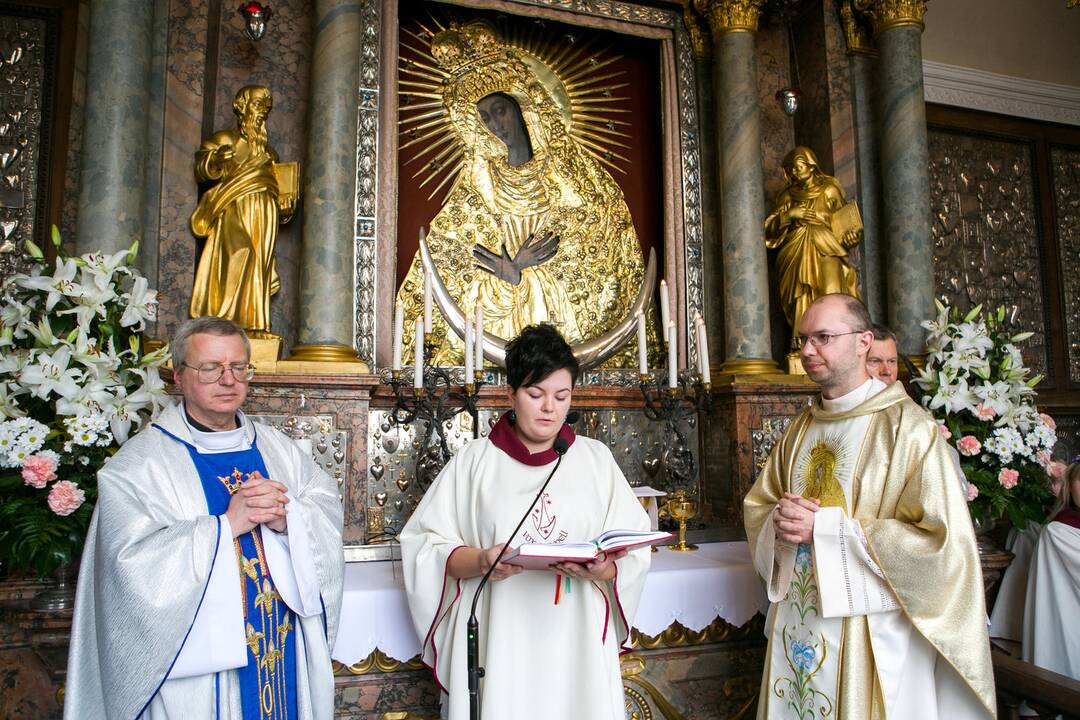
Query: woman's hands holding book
{"type": "Point", "coordinates": [600, 570]}
{"type": "Point", "coordinates": [468, 562]}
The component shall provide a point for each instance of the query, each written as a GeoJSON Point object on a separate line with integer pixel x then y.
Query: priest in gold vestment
{"type": "Point", "coordinates": [239, 216]}
{"type": "Point", "coordinates": [860, 529]}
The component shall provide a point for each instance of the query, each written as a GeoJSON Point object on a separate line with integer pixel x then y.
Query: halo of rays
{"type": "Point", "coordinates": [433, 151]}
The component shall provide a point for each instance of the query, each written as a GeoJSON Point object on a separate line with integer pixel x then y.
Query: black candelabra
{"type": "Point", "coordinates": [672, 406]}
{"type": "Point", "coordinates": [436, 402]}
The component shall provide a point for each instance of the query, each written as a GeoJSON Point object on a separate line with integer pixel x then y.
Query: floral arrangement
{"type": "Point", "coordinates": [978, 388]}
{"type": "Point", "coordinates": [74, 383]}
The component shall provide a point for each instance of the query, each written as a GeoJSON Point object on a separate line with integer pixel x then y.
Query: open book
{"type": "Point", "coordinates": [541, 556]}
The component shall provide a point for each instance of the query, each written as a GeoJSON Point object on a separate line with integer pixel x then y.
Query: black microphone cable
{"type": "Point", "coordinates": [472, 627]}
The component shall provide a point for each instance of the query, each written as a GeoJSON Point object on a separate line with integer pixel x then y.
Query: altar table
{"type": "Point", "coordinates": [691, 588]}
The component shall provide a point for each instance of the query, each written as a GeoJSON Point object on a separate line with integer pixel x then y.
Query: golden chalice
{"type": "Point", "coordinates": [681, 506]}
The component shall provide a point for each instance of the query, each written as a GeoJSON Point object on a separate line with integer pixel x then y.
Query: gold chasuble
{"type": "Point", "coordinates": [882, 616]}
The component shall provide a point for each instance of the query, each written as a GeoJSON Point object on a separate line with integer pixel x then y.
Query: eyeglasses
{"type": "Point", "coordinates": [212, 372]}
{"type": "Point", "coordinates": [819, 339]}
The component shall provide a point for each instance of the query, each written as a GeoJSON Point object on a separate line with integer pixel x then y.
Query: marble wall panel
{"type": "Point", "coordinates": [744, 418]}
{"type": "Point", "coordinates": [777, 129]}
{"type": "Point", "coordinates": [73, 163]}
{"type": "Point", "coordinates": [185, 71]}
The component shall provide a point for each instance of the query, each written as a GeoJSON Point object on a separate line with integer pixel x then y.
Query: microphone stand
{"type": "Point", "coordinates": [472, 627]}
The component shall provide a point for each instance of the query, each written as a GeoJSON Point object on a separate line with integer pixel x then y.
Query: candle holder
{"type": "Point", "coordinates": [436, 402]}
{"type": "Point", "coordinates": [672, 406]}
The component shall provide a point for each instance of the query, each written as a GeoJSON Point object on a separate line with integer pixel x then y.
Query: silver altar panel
{"type": "Point", "coordinates": [640, 448]}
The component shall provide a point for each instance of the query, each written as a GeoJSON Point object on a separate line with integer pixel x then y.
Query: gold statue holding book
{"type": "Point", "coordinates": [814, 228]}
{"type": "Point", "coordinates": [239, 216]}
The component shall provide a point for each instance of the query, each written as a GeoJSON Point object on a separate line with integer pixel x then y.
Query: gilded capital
{"type": "Point", "coordinates": [729, 16]}
{"type": "Point", "coordinates": [857, 30]}
{"type": "Point", "coordinates": [698, 38]}
{"type": "Point", "coordinates": [887, 14]}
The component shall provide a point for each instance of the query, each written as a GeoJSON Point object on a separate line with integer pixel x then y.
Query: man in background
{"type": "Point", "coordinates": [882, 361]}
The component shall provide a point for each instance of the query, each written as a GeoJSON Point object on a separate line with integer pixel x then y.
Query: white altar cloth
{"type": "Point", "coordinates": [693, 588]}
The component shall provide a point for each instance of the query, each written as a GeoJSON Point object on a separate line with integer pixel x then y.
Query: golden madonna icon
{"type": "Point", "coordinates": [533, 228]}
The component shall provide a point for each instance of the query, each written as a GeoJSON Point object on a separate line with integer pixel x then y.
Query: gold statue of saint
{"type": "Point", "coordinates": [533, 229]}
{"type": "Point", "coordinates": [814, 228]}
{"type": "Point", "coordinates": [239, 216]}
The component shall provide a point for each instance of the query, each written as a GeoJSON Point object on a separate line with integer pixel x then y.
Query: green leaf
{"type": "Point", "coordinates": [973, 313]}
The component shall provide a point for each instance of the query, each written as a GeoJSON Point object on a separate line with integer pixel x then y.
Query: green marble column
{"type": "Point", "coordinates": [905, 171]}
{"type": "Point", "coordinates": [747, 337]}
{"type": "Point", "coordinates": [326, 274]}
{"type": "Point", "coordinates": [113, 172]}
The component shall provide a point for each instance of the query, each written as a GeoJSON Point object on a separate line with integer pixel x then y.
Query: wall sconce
{"type": "Point", "coordinates": [255, 15]}
{"type": "Point", "coordinates": [789, 99]}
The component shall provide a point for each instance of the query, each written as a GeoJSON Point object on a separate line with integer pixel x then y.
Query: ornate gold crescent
{"type": "Point", "coordinates": [589, 353]}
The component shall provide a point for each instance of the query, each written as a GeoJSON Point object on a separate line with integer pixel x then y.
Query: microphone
{"type": "Point", "coordinates": [571, 419]}
{"type": "Point", "coordinates": [472, 635]}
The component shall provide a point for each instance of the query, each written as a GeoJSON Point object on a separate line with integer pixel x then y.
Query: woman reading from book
{"type": "Point", "coordinates": [549, 639]}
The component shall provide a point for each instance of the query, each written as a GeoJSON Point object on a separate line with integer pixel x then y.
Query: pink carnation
{"type": "Point", "coordinates": [984, 412]}
{"type": "Point", "coordinates": [969, 445]}
{"type": "Point", "coordinates": [1049, 421]}
{"type": "Point", "coordinates": [944, 430]}
{"type": "Point", "coordinates": [1008, 478]}
{"type": "Point", "coordinates": [65, 497]}
{"type": "Point", "coordinates": [38, 471]}
{"type": "Point", "coordinates": [973, 492]}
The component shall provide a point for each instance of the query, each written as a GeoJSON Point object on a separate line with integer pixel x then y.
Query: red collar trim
{"type": "Point", "coordinates": [1069, 517]}
{"type": "Point", "coordinates": [504, 438]}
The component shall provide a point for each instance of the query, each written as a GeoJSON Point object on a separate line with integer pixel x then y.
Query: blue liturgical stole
{"type": "Point", "coordinates": [268, 681]}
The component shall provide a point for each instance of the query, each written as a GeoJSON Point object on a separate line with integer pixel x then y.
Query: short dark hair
{"type": "Point", "coordinates": [536, 353]}
{"type": "Point", "coordinates": [883, 333]}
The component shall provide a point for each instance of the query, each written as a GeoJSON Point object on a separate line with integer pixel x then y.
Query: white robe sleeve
{"type": "Point", "coordinates": [292, 565]}
{"type": "Point", "coordinates": [774, 560]}
{"type": "Point", "coordinates": [428, 540]}
{"type": "Point", "coordinates": [216, 640]}
{"type": "Point", "coordinates": [1053, 602]}
{"type": "Point", "coordinates": [849, 581]}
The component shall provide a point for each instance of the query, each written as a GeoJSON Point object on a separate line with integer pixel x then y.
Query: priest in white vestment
{"type": "Point", "coordinates": [212, 574]}
{"type": "Point", "coordinates": [860, 529]}
{"type": "Point", "coordinates": [1051, 639]}
{"type": "Point", "coordinates": [549, 641]}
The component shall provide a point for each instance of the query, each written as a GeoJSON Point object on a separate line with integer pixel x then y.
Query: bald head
{"type": "Point", "coordinates": [851, 308]}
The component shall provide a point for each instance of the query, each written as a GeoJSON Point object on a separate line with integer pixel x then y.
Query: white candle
{"type": "Point", "coordinates": [703, 351]}
{"type": "Point", "coordinates": [427, 302]}
{"type": "Point", "coordinates": [468, 349]}
{"type": "Point", "coordinates": [479, 346]}
{"type": "Point", "coordinates": [665, 306]}
{"type": "Point", "coordinates": [399, 333]}
{"type": "Point", "coordinates": [642, 358]}
{"type": "Point", "coordinates": [418, 369]}
{"type": "Point", "coordinates": [673, 356]}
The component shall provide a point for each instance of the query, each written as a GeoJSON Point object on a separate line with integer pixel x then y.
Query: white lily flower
{"type": "Point", "coordinates": [952, 394]}
{"type": "Point", "coordinates": [141, 305]}
{"type": "Point", "coordinates": [59, 284]}
{"type": "Point", "coordinates": [996, 396]}
{"type": "Point", "coordinates": [52, 374]}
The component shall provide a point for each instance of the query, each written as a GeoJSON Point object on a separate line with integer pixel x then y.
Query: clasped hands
{"type": "Point", "coordinates": [600, 570]}
{"type": "Point", "coordinates": [259, 501]}
{"type": "Point", "coordinates": [537, 249]}
{"type": "Point", "coordinates": [794, 519]}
